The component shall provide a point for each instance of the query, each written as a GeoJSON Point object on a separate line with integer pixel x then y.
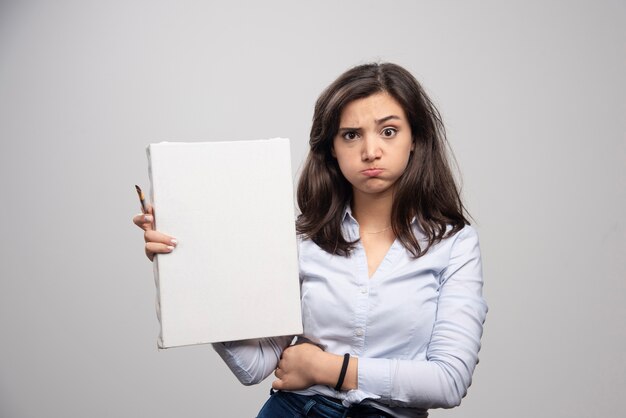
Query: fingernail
{"type": "Point", "coordinates": [147, 218]}
{"type": "Point", "coordinates": [174, 242]}
{"type": "Point", "coordinates": [169, 247]}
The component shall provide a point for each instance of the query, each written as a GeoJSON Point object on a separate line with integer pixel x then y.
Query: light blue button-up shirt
{"type": "Point", "coordinates": [415, 325]}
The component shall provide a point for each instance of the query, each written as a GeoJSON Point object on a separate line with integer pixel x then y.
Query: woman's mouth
{"type": "Point", "coordinates": [372, 172]}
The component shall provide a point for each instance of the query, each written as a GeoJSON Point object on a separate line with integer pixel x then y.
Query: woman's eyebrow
{"type": "Point", "coordinates": [386, 118]}
{"type": "Point", "coordinates": [377, 121]}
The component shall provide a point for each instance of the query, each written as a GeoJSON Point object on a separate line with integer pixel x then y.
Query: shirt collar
{"type": "Point", "coordinates": [347, 214]}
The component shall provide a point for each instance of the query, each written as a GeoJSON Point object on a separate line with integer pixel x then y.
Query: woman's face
{"type": "Point", "coordinates": [373, 143]}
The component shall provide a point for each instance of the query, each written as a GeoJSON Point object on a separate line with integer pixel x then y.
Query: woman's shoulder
{"type": "Point", "coordinates": [466, 235]}
{"type": "Point", "coordinates": [450, 236]}
{"type": "Point", "coordinates": [464, 244]}
{"type": "Point", "coordinates": [467, 231]}
{"type": "Point", "coordinates": [454, 242]}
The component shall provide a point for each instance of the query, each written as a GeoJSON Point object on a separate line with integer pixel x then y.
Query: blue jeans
{"type": "Point", "coordinates": [292, 405]}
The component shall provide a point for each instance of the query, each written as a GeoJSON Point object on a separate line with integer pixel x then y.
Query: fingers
{"type": "Point", "coordinates": [159, 238]}
{"type": "Point", "coordinates": [277, 384]}
{"type": "Point", "coordinates": [144, 221]}
{"type": "Point", "coordinates": [153, 248]}
{"type": "Point", "coordinates": [158, 243]}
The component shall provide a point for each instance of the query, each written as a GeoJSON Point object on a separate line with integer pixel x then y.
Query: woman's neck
{"type": "Point", "coordinates": [372, 212]}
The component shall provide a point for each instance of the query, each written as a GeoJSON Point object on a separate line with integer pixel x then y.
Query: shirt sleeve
{"type": "Point", "coordinates": [251, 361]}
{"type": "Point", "coordinates": [442, 380]}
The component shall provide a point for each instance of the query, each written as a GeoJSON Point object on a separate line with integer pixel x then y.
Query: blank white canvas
{"type": "Point", "coordinates": [234, 272]}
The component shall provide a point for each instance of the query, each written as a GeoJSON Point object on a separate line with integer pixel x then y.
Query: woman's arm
{"type": "Point", "coordinates": [252, 360]}
{"type": "Point", "coordinates": [304, 365]}
{"type": "Point", "coordinates": [442, 379]}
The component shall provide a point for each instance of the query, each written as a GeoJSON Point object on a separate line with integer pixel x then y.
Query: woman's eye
{"type": "Point", "coordinates": [350, 136]}
{"type": "Point", "coordinates": [389, 132]}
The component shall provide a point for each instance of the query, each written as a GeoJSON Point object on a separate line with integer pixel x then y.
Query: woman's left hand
{"type": "Point", "coordinates": [297, 367]}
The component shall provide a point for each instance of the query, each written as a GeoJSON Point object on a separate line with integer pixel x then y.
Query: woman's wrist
{"type": "Point", "coordinates": [329, 369]}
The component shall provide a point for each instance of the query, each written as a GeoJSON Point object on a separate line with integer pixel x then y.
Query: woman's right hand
{"type": "Point", "coordinates": [156, 242]}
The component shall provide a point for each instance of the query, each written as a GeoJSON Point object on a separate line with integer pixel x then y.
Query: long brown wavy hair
{"type": "Point", "coordinates": [426, 190]}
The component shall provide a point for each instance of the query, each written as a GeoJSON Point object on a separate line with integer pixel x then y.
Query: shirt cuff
{"type": "Point", "coordinates": [374, 379]}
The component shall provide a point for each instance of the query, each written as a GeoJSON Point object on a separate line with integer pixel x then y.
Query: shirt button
{"type": "Point", "coordinates": [364, 290]}
{"type": "Point", "coordinates": [359, 332]}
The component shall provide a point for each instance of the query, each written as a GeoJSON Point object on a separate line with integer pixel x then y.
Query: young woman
{"type": "Point", "coordinates": [390, 269]}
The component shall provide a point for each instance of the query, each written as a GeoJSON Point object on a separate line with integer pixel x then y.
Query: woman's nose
{"type": "Point", "coordinates": [371, 148]}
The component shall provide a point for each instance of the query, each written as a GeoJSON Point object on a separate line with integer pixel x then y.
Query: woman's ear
{"type": "Point", "coordinates": [332, 151]}
{"type": "Point", "coordinates": [412, 146]}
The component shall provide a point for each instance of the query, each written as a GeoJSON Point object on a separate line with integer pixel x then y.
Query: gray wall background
{"type": "Point", "coordinates": [534, 97]}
